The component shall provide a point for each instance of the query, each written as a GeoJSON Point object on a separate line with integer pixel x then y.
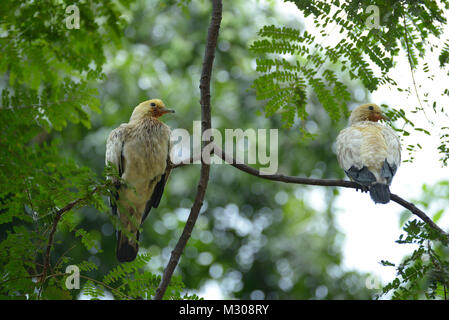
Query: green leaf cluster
{"type": "Point", "coordinates": [292, 69]}
{"type": "Point", "coordinates": [49, 79]}
{"type": "Point", "coordinates": [297, 66]}
{"type": "Point", "coordinates": [424, 273]}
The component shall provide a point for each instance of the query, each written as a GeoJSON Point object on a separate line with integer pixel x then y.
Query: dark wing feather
{"type": "Point", "coordinates": [388, 171]}
{"type": "Point", "coordinates": [157, 194]}
{"type": "Point", "coordinates": [114, 155]}
{"type": "Point", "coordinates": [361, 176]}
{"type": "Point", "coordinates": [117, 184]}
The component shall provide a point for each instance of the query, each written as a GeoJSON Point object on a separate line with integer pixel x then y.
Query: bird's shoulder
{"type": "Point", "coordinates": [349, 134]}
{"type": "Point", "coordinates": [118, 133]}
{"type": "Point", "coordinates": [114, 146]}
{"type": "Point", "coordinates": [348, 147]}
{"type": "Point", "coordinates": [389, 133]}
{"type": "Point", "coordinates": [393, 146]}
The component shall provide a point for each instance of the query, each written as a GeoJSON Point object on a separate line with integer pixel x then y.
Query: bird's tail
{"type": "Point", "coordinates": [380, 193]}
{"type": "Point", "coordinates": [127, 248]}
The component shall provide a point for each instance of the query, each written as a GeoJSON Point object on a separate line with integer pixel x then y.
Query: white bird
{"type": "Point", "coordinates": [139, 150]}
{"type": "Point", "coordinates": [369, 152]}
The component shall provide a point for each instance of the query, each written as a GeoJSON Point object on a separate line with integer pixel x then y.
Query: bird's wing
{"type": "Point", "coordinates": [393, 159]}
{"type": "Point", "coordinates": [114, 156]}
{"type": "Point", "coordinates": [348, 148]}
{"type": "Point", "coordinates": [393, 146]}
{"type": "Point", "coordinates": [114, 148]}
{"type": "Point", "coordinates": [158, 189]}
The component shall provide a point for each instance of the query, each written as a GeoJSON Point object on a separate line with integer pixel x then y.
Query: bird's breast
{"type": "Point", "coordinates": [146, 151]}
{"type": "Point", "coordinates": [373, 148]}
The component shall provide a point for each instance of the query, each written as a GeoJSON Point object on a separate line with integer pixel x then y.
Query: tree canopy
{"type": "Point", "coordinates": [72, 73]}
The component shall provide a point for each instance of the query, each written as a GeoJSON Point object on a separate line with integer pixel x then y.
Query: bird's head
{"type": "Point", "coordinates": [151, 108]}
{"type": "Point", "coordinates": [367, 112]}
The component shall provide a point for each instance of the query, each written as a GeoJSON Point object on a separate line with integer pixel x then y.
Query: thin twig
{"type": "Point", "coordinates": [56, 220]}
{"type": "Point", "coordinates": [409, 56]}
{"type": "Point", "coordinates": [206, 74]}
{"type": "Point", "coordinates": [62, 256]}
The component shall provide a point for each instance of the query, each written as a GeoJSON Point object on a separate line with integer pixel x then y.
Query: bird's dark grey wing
{"type": "Point", "coordinates": [156, 196]}
{"type": "Point", "coordinates": [388, 171]}
{"type": "Point", "coordinates": [117, 184]}
{"type": "Point", "coordinates": [361, 176]}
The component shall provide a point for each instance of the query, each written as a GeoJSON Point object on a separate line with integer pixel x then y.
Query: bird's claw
{"type": "Point", "coordinates": [362, 188]}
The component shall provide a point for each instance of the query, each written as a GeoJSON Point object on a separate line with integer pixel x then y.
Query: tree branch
{"type": "Point", "coordinates": [416, 211]}
{"type": "Point", "coordinates": [329, 183]}
{"type": "Point", "coordinates": [318, 182]}
{"type": "Point", "coordinates": [205, 80]}
{"type": "Point", "coordinates": [209, 56]}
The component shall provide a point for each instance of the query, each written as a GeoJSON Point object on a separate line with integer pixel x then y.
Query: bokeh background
{"type": "Point", "coordinates": [254, 239]}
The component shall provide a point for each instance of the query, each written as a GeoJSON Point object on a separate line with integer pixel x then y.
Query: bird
{"type": "Point", "coordinates": [369, 152]}
{"type": "Point", "coordinates": [139, 150]}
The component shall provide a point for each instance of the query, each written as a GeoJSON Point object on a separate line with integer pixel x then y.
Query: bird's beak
{"type": "Point", "coordinates": [166, 110]}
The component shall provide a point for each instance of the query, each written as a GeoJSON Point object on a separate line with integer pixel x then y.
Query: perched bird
{"type": "Point", "coordinates": [139, 150]}
{"type": "Point", "coordinates": [369, 152]}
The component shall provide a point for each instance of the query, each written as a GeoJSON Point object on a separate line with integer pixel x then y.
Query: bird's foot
{"type": "Point", "coordinates": [362, 188]}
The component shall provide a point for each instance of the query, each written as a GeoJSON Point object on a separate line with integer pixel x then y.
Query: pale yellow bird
{"type": "Point", "coordinates": [369, 152]}
{"type": "Point", "coordinates": [139, 150]}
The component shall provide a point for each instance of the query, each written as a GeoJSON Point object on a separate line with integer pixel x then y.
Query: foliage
{"type": "Point", "coordinates": [297, 65]}
{"type": "Point", "coordinates": [285, 83]}
{"type": "Point", "coordinates": [129, 281]}
{"type": "Point", "coordinates": [425, 272]}
{"type": "Point", "coordinates": [165, 61]}
{"type": "Point", "coordinates": [261, 239]}
{"type": "Point", "coordinates": [48, 74]}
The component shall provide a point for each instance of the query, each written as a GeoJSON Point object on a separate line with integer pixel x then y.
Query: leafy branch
{"type": "Point", "coordinates": [57, 218]}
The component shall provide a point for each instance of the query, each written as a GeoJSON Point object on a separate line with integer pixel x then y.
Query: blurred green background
{"type": "Point", "coordinates": [254, 238]}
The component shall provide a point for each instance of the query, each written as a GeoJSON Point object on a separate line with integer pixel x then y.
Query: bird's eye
{"type": "Point", "coordinates": [371, 107]}
{"type": "Point", "coordinates": [153, 104]}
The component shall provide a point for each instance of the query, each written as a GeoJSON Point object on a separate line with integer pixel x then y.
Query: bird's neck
{"type": "Point", "coordinates": [143, 117]}
{"type": "Point", "coordinates": [368, 122]}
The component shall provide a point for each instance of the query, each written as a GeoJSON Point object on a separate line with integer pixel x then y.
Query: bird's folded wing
{"type": "Point", "coordinates": [348, 148]}
{"type": "Point", "coordinates": [114, 148]}
{"type": "Point", "coordinates": [393, 147]}
{"type": "Point", "coordinates": [114, 156]}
